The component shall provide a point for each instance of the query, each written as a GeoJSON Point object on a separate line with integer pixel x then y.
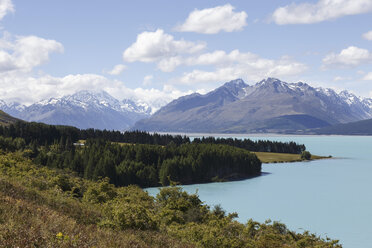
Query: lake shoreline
{"type": "Point", "coordinates": [272, 157]}
{"type": "Point", "coordinates": [260, 135]}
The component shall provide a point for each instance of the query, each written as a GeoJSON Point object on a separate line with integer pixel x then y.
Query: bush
{"type": "Point", "coordinates": [123, 215]}
{"type": "Point", "coordinates": [100, 192]}
{"type": "Point", "coordinates": [305, 155]}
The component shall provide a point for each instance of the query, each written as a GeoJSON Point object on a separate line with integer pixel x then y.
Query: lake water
{"type": "Point", "coordinates": [331, 197]}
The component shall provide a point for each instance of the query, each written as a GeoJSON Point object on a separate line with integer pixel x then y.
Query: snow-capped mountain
{"type": "Point", "coordinates": [84, 109]}
{"type": "Point", "coordinates": [12, 108]}
{"type": "Point", "coordinates": [270, 105]}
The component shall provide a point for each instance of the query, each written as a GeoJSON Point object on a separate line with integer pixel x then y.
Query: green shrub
{"type": "Point", "coordinates": [305, 155]}
{"type": "Point", "coordinates": [101, 192]}
{"type": "Point", "coordinates": [124, 215]}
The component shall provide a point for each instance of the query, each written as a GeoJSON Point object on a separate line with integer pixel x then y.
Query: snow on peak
{"type": "Point", "coordinates": [96, 99]}
{"type": "Point", "coordinates": [349, 98]}
{"type": "Point", "coordinates": [269, 80]}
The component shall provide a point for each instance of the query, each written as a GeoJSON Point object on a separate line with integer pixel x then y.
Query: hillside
{"type": "Point", "coordinates": [363, 127]}
{"type": "Point", "coordinates": [41, 207]}
{"type": "Point", "coordinates": [6, 119]}
{"type": "Point", "coordinates": [268, 106]}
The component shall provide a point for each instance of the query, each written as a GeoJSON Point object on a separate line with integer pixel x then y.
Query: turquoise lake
{"type": "Point", "coordinates": [331, 197]}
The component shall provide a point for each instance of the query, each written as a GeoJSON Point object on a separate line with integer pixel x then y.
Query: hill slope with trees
{"type": "Point", "coordinates": [363, 127]}
{"type": "Point", "coordinates": [143, 159]}
{"type": "Point", "coordinates": [42, 207]}
{"type": "Point", "coordinates": [6, 119]}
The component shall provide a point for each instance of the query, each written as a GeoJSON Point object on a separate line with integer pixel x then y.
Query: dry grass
{"type": "Point", "coordinates": [35, 216]}
{"type": "Point", "coordinates": [272, 157]}
{"type": "Point", "coordinates": [27, 223]}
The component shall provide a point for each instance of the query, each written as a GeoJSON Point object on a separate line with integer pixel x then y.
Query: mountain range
{"type": "Point", "coordinates": [270, 105]}
{"type": "Point", "coordinates": [84, 109]}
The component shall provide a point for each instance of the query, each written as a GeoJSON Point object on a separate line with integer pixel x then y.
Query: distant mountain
{"type": "Point", "coordinates": [84, 109]}
{"type": "Point", "coordinates": [12, 108]}
{"type": "Point", "coordinates": [363, 127]}
{"type": "Point", "coordinates": [6, 119]}
{"type": "Point", "coordinates": [268, 106]}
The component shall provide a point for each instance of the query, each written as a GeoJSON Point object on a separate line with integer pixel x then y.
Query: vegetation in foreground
{"type": "Point", "coordinates": [43, 207]}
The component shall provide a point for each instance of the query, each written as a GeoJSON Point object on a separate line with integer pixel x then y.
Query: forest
{"type": "Point", "coordinates": [143, 165]}
{"type": "Point", "coordinates": [137, 157]}
{"type": "Point", "coordinates": [47, 134]}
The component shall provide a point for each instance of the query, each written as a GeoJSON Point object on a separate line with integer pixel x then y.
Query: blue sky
{"type": "Point", "coordinates": [154, 51]}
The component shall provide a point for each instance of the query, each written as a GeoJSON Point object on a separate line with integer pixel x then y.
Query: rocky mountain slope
{"type": "Point", "coordinates": [84, 109]}
{"type": "Point", "coordinates": [270, 105]}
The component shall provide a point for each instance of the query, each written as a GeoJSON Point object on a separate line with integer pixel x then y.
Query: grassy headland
{"type": "Point", "coordinates": [273, 157]}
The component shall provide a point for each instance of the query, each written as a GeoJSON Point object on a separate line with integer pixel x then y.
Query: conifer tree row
{"type": "Point", "coordinates": [151, 165]}
{"type": "Point", "coordinates": [47, 134]}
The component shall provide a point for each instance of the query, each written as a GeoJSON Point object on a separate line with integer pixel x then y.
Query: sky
{"type": "Point", "coordinates": [155, 51]}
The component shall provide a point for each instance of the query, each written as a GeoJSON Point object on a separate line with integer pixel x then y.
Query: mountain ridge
{"type": "Point", "coordinates": [83, 109]}
{"type": "Point", "coordinates": [270, 105]}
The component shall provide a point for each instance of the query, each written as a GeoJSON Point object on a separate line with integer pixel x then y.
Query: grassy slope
{"type": "Point", "coordinates": [35, 211]}
{"type": "Point", "coordinates": [272, 157]}
{"type": "Point", "coordinates": [6, 119]}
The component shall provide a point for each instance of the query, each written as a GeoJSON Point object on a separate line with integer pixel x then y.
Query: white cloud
{"type": "Point", "coordinates": [6, 6]}
{"type": "Point", "coordinates": [339, 78]}
{"type": "Point", "coordinates": [160, 48]}
{"type": "Point", "coordinates": [368, 76]}
{"type": "Point", "coordinates": [25, 52]}
{"type": "Point", "coordinates": [31, 51]}
{"type": "Point", "coordinates": [118, 69]}
{"type": "Point", "coordinates": [351, 56]}
{"type": "Point", "coordinates": [306, 13]}
{"type": "Point", "coordinates": [368, 35]}
{"type": "Point", "coordinates": [214, 20]}
{"type": "Point", "coordinates": [27, 89]}
{"type": "Point", "coordinates": [240, 65]}
{"type": "Point", "coordinates": [169, 64]}
{"type": "Point", "coordinates": [234, 59]}
{"type": "Point", "coordinates": [154, 97]}
{"type": "Point", "coordinates": [155, 46]}
{"type": "Point", "coordinates": [19, 55]}
{"type": "Point", "coordinates": [147, 80]}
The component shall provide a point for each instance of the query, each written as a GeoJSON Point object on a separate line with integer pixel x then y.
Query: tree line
{"type": "Point", "coordinates": [44, 134]}
{"type": "Point", "coordinates": [151, 165]}
{"type": "Point", "coordinates": [138, 157]}
{"type": "Point", "coordinates": [255, 146]}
